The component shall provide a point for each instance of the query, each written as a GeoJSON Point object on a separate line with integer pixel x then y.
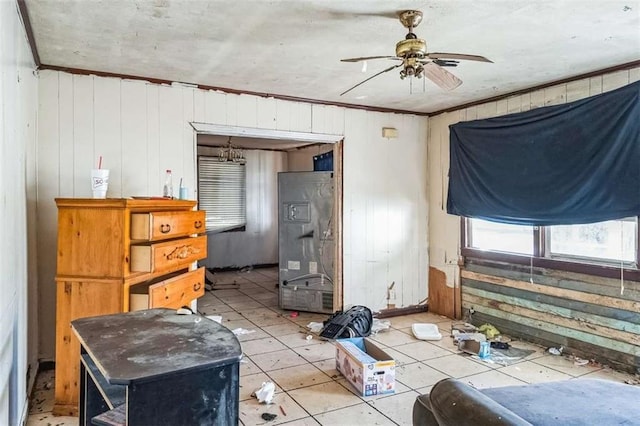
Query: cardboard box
{"type": "Point", "coordinates": [367, 367]}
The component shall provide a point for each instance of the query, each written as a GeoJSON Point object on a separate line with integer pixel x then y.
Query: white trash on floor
{"type": "Point", "coordinates": [424, 331]}
{"type": "Point", "coordinates": [265, 393]}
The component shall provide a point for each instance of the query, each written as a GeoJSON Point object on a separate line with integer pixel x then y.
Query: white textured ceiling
{"type": "Point", "coordinates": [293, 48]}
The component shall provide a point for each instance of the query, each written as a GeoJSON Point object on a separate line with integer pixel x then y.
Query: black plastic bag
{"type": "Point", "coordinates": [355, 322]}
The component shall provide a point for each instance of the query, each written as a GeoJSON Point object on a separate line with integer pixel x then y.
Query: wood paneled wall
{"type": "Point", "coordinates": [141, 129]}
{"type": "Point", "coordinates": [586, 317]}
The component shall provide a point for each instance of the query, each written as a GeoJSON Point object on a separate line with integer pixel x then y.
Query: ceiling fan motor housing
{"type": "Point", "coordinates": [411, 48]}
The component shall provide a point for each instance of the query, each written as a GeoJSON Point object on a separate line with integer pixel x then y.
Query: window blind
{"type": "Point", "coordinates": [222, 193]}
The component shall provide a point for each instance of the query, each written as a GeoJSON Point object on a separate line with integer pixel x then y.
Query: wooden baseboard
{"type": "Point", "coordinates": [396, 312]}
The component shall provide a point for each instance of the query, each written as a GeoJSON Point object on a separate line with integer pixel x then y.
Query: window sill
{"type": "Point", "coordinates": [608, 271]}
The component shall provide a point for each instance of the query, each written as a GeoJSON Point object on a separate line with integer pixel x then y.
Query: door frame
{"type": "Point", "coordinates": [271, 135]}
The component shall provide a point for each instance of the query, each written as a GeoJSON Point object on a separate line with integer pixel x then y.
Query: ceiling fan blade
{"type": "Point", "coordinates": [458, 56]}
{"type": "Point", "coordinates": [441, 76]}
{"type": "Point", "coordinates": [366, 58]}
{"type": "Point", "coordinates": [373, 76]}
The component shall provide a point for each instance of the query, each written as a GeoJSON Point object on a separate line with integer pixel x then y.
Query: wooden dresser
{"type": "Point", "coordinates": [117, 255]}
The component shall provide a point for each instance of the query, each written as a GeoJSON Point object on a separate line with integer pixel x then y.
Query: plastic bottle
{"type": "Point", "coordinates": [167, 191]}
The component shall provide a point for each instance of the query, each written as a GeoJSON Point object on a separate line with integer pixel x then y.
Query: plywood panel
{"type": "Point", "coordinates": [283, 114]}
{"type": "Point", "coordinates": [526, 102]}
{"type": "Point", "coordinates": [577, 90]}
{"type": "Point", "coordinates": [65, 126]}
{"type": "Point", "coordinates": [514, 104]}
{"type": "Point", "coordinates": [613, 302]}
{"type": "Point", "coordinates": [595, 85]}
{"type": "Point", "coordinates": [231, 110]}
{"type": "Point", "coordinates": [607, 327]}
{"type": "Point", "coordinates": [47, 176]}
{"type": "Point", "coordinates": [472, 113]}
{"type": "Point", "coordinates": [300, 119]}
{"type": "Point", "coordinates": [170, 135]}
{"type": "Point", "coordinates": [215, 107]}
{"type": "Point", "coordinates": [155, 174]}
{"type": "Point", "coordinates": [107, 135]}
{"type": "Point", "coordinates": [441, 296]}
{"type": "Point", "coordinates": [615, 80]}
{"type": "Point", "coordinates": [247, 113]}
{"type": "Point", "coordinates": [188, 144]}
{"type": "Point", "coordinates": [135, 172]}
{"type": "Point", "coordinates": [327, 119]}
{"type": "Point", "coordinates": [555, 95]}
{"type": "Point", "coordinates": [487, 110]}
{"type": "Point", "coordinates": [49, 141]}
{"type": "Point", "coordinates": [83, 134]}
{"type": "Point", "coordinates": [266, 110]}
{"type": "Point", "coordinates": [537, 99]}
{"type": "Point", "coordinates": [199, 106]}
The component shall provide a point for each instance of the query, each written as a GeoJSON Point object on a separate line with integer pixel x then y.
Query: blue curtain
{"type": "Point", "coordinates": [565, 164]}
{"type": "Point", "coordinates": [323, 162]}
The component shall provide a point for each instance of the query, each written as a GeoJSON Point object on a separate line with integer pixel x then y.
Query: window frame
{"type": "Point", "coordinates": [538, 259]}
{"type": "Point", "coordinates": [240, 227]}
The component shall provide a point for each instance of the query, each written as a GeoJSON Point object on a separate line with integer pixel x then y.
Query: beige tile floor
{"type": "Point", "coordinates": [309, 391]}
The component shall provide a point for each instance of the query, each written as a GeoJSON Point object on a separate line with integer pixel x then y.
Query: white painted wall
{"type": "Point", "coordinates": [444, 229]}
{"type": "Point", "coordinates": [258, 243]}
{"type": "Point", "coordinates": [141, 129]}
{"type": "Point", "coordinates": [18, 115]}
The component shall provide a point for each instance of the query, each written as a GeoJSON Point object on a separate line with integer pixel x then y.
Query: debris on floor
{"type": "Point", "coordinates": [242, 331]}
{"type": "Point", "coordinates": [555, 351]}
{"type": "Point", "coordinates": [216, 318]}
{"type": "Point", "coordinates": [315, 327]}
{"type": "Point", "coordinates": [265, 393]}
{"type": "Point", "coordinates": [463, 328]}
{"type": "Point", "coordinates": [579, 361]}
{"type": "Point", "coordinates": [379, 325]}
{"type": "Point", "coordinates": [459, 337]}
{"type": "Point", "coordinates": [489, 330]}
{"type": "Point", "coordinates": [426, 331]}
{"type": "Point", "coordinates": [268, 416]}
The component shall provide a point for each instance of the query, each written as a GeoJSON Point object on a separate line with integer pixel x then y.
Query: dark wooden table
{"type": "Point", "coordinates": [155, 367]}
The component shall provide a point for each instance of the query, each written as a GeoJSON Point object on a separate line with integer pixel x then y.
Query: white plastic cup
{"type": "Point", "coordinates": [99, 182]}
{"type": "Point", "coordinates": [184, 193]}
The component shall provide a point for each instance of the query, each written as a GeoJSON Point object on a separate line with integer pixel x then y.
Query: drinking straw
{"type": "Point", "coordinates": [100, 162]}
{"type": "Point", "coordinates": [180, 182]}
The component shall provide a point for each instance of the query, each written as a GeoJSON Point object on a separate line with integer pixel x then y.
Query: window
{"type": "Point", "coordinates": [500, 237]}
{"type": "Point", "coordinates": [610, 243]}
{"type": "Point", "coordinates": [614, 240]}
{"type": "Point", "coordinates": [222, 193]}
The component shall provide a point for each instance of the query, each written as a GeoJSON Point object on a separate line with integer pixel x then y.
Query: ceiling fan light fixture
{"type": "Point", "coordinates": [415, 61]}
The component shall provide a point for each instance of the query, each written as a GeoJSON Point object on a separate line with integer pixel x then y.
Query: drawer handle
{"type": "Point", "coordinates": [165, 228]}
{"type": "Point", "coordinates": [197, 224]}
{"type": "Point", "coordinates": [197, 286]}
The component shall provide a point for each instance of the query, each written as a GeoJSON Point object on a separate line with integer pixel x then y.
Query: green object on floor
{"type": "Point", "coordinates": [489, 330]}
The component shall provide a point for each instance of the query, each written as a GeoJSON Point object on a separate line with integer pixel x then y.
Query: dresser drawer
{"type": "Point", "coordinates": [155, 226]}
{"type": "Point", "coordinates": [173, 292]}
{"type": "Point", "coordinates": [167, 255]}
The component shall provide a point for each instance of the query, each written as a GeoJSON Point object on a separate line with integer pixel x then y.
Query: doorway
{"type": "Point", "coordinates": [264, 153]}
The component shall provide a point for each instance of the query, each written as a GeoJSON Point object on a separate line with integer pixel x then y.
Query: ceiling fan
{"type": "Point", "coordinates": [416, 61]}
